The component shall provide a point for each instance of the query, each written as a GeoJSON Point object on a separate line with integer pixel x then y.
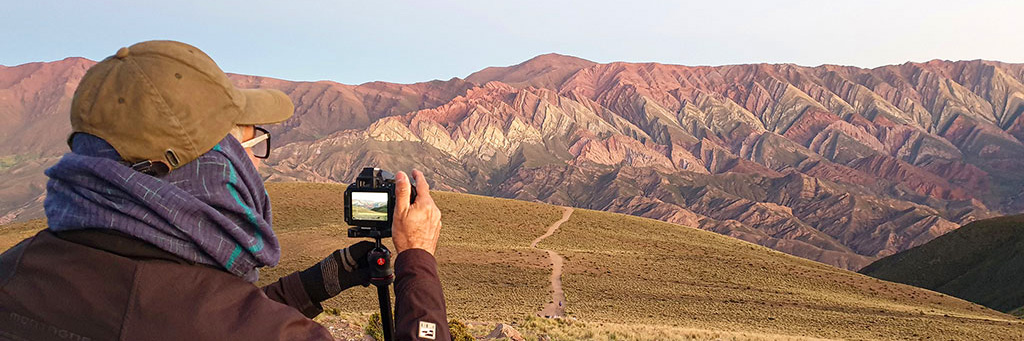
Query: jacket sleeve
{"type": "Point", "coordinates": [420, 312]}
{"type": "Point", "coordinates": [289, 291]}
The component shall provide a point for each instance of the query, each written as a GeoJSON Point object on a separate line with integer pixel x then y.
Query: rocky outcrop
{"type": "Point", "coordinates": [504, 332]}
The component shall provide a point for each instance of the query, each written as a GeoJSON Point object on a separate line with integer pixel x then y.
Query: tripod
{"type": "Point", "coordinates": [382, 274]}
{"type": "Point", "coordinates": [378, 187]}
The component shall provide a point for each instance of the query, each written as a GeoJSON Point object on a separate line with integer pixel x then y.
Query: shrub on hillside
{"type": "Point", "coordinates": [374, 328]}
{"type": "Point", "coordinates": [459, 331]}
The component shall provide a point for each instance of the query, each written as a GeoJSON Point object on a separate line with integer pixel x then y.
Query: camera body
{"type": "Point", "coordinates": [370, 204]}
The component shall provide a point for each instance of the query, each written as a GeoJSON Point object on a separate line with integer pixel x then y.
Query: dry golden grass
{"type": "Point", "coordinates": [625, 277]}
{"type": "Point", "coordinates": [624, 269]}
{"type": "Point", "coordinates": [11, 234]}
{"type": "Point", "coordinates": [535, 328]}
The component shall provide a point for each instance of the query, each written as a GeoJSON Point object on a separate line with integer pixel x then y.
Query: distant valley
{"type": "Point", "coordinates": [837, 164]}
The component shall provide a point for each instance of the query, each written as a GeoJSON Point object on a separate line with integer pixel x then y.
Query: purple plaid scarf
{"type": "Point", "coordinates": [214, 210]}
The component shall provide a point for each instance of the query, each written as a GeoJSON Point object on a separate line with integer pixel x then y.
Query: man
{"type": "Point", "coordinates": [158, 220]}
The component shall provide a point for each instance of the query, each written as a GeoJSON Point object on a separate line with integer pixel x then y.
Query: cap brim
{"type": "Point", "coordinates": [265, 106]}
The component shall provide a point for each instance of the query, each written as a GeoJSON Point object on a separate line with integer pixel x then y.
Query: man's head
{"type": "Point", "coordinates": [168, 103]}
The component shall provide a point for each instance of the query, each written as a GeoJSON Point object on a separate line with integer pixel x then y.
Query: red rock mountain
{"type": "Point", "coordinates": [34, 103]}
{"type": "Point", "coordinates": [838, 164]}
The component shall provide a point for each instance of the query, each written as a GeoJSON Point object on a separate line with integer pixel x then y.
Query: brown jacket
{"type": "Point", "coordinates": [93, 285]}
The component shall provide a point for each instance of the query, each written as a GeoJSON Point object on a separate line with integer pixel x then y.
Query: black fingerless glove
{"type": "Point", "coordinates": [341, 270]}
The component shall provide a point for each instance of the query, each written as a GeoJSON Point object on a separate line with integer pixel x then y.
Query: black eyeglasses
{"type": "Point", "coordinates": [259, 144]}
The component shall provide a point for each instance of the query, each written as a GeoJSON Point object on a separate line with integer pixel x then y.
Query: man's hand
{"type": "Point", "coordinates": [415, 226]}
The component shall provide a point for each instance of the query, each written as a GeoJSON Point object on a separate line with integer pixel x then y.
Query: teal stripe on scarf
{"type": "Point", "coordinates": [249, 214]}
{"type": "Point", "coordinates": [234, 256]}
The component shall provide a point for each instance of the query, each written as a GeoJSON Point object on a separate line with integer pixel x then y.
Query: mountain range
{"type": "Point", "coordinates": [837, 164]}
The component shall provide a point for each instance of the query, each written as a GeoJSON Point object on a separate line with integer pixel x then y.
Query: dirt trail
{"type": "Point", "coordinates": [555, 308]}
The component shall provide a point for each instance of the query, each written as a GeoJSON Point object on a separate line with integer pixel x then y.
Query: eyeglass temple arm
{"type": "Point", "coordinates": [256, 140]}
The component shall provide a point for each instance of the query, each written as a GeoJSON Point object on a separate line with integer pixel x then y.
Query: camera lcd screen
{"type": "Point", "coordinates": [372, 206]}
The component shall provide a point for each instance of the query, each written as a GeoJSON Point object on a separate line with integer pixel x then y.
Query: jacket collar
{"type": "Point", "coordinates": [120, 244]}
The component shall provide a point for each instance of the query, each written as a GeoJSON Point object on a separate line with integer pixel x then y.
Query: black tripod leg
{"type": "Point", "coordinates": [384, 296]}
{"type": "Point", "coordinates": [381, 276]}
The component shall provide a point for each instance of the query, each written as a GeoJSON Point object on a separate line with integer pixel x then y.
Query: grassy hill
{"type": "Point", "coordinates": [625, 277]}
{"type": "Point", "coordinates": [981, 262]}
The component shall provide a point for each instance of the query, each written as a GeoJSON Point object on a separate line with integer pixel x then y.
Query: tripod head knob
{"type": "Point", "coordinates": [381, 271]}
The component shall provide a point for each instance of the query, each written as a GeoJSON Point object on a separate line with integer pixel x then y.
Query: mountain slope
{"type": "Point", "coordinates": [837, 164]}
{"type": "Point", "coordinates": [627, 271]}
{"type": "Point", "coordinates": [35, 100]}
{"type": "Point", "coordinates": [982, 262]}
{"type": "Point", "coordinates": [544, 71]}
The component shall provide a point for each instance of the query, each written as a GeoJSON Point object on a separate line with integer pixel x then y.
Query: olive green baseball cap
{"type": "Point", "coordinates": [167, 102]}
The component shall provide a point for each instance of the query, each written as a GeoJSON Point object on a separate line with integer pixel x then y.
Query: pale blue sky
{"type": "Point", "coordinates": [409, 41]}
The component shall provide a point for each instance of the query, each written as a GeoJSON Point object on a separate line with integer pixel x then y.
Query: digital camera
{"type": "Point", "coordinates": [370, 203]}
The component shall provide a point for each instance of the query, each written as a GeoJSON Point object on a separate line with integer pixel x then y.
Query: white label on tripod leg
{"type": "Point", "coordinates": [428, 330]}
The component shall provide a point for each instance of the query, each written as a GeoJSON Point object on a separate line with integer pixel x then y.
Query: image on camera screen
{"type": "Point", "coordinates": [370, 206]}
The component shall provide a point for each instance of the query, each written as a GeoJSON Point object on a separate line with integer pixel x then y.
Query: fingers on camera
{"type": "Point", "coordinates": [421, 181]}
{"type": "Point", "coordinates": [402, 191]}
{"type": "Point", "coordinates": [422, 188]}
